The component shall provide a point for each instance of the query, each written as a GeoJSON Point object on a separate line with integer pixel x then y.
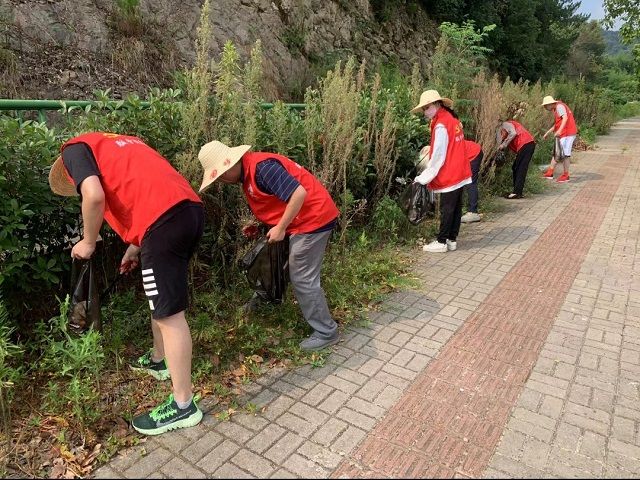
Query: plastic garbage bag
{"type": "Point", "coordinates": [266, 267]}
{"type": "Point", "coordinates": [558, 152]}
{"type": "Point", "coordinates": [418, 203]}
{"type": "Point", "coordinates": [84, 311]}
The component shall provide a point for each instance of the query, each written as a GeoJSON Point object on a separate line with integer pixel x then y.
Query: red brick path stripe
{"type": "Point", "coordinates": [448, 423]}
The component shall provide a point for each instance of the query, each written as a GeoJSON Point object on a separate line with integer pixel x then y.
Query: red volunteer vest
{"type": "Point", "coordinates": [317, 210]}
{"type": "Point", "coordinates": [456, 166]}
{"type": "Point", "coordinates": [139, 184]}
{"type": "Point", "coordinates": [522, 137]}
{"type": "Point", "coordinates": [473, 149]}
{"type": "Point", "coordinates": [570, 128]}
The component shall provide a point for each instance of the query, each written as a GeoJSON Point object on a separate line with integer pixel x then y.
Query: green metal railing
{"type": "Point", "coordinates": [40, 106]}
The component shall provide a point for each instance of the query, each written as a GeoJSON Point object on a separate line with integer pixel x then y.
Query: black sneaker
{"type": "Point", "coordinates": [167, 416]}
{"type": "Point", "coordinates": [157, 370]}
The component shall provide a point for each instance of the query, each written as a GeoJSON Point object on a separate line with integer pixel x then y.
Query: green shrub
{"type": "Point", "coordinates": [35, 224]}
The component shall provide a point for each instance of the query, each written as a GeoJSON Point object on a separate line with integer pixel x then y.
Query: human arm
{"type": "Point", "coordinates": [438, 155]}
{"type": "Point", "coordinates": [277, 233]}
{"type": "Point", "coordinates": [93, 203]}
{"type": "Point", "coordinates": [130, 259]}
{"type": "Point", "coordinates": [83, 169]}
{"type": "Point", "coordinates": [561, 112]}
{"type": "Point", "coordinates": [273, 179]}
{"type": "Point", "coordinates": [511, 134]}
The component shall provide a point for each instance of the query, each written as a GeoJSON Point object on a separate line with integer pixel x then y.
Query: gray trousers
{"type": "Point", "coordinates": [306, 252]}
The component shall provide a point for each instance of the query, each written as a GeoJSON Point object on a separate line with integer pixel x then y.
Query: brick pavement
{"type": "Point", "coordinates": [515, 358]}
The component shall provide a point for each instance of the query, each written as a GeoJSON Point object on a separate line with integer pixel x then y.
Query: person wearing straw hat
{"type": "Point", "coordinates": [448, 169]}
{"type": "Point", "coordinates": [565, 131]}
{"type": "Point", "coordinates": [291, 201]}
{"type": "Point", "coordinates": [126, 183]}
{"type": "Point", "coordinates": [513, 135]}
{"type": "Point", "coordinates": [474, 155]}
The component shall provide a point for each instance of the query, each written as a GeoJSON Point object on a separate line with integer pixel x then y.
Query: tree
{"type": "Point", "coordinates": [629, 12]}
{"type": "Point", "coordinates": [586, 54]}
{"type": "Point", "coordinates": [532, 38]}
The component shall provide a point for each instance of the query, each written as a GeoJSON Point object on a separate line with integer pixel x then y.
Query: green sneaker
{"type": "Point", "coordinates": [167, 416]}
{"type": "Point", "coordinates": [157, 370]}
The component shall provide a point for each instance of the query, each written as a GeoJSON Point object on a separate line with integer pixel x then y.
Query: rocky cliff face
{"type": "Point", "coordinates": [67, 48]}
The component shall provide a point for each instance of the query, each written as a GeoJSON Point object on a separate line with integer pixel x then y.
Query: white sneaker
{"type": "Point", "coordinates": [451, 246]}
{"type": "Point", "coordinates": [470, 217]}
{"type": "Point", "coordinates": [435, 247]}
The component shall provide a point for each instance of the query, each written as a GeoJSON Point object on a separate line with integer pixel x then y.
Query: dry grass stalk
{"type": "Point", "coordinates": [253, 94]}
{"type": "Point", "coordinates": [228, 117]}
{"type": "Point", "coordinates": [369, 135]}
{"type": "Point", "coordinates": [385, 155]}
{"type": "Point", "coordinates": [195, 113]}
{"type": "Point", "coordinates": [340, 102]}
{"type": "Point", "coordinates": [486, 113]}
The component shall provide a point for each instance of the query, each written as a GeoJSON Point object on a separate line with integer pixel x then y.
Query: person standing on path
{"type": "Point", "coordinates": [474, 155]}
{"type": "Point", "coordinates": [152, 208]}
{"type": "Point", "coordinates": [448, 170]}
{"type": "Point", "coordinates": [565, 131]}
{"type": "Point", "coordinates": [290, 200]}
{"type": "Point", "coordinates": [513, 135]}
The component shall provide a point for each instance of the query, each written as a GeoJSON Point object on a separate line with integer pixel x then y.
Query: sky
{"type": "Point", "coordinates": [596, 10]}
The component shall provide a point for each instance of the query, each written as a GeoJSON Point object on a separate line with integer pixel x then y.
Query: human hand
{"type": "Point", "coordinates": [130, 259]}
{"type": "Point", "coordinates": [275, 234]}
{"type": "Point", "coordinates": [83, 250]}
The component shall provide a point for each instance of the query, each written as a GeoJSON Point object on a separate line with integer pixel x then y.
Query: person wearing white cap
{"type": "Point", "coordinates": [153, 209]}
{"type": "Point", "coordinates": [565, 131]}
{"type": "Point", "coordinates": [448, 169]}
{"type": "Point", "coordinates": [291, 201]}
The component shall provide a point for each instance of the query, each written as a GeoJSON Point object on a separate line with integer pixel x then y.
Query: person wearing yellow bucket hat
{"type": "Point", "coordinates": [290, 201]}
{"type": "Point", "coordinates": [448, 169]}
{"type": "Point", "coordinates": [154, 209]}
{"type": "Point", "coordinates": [565, 131]}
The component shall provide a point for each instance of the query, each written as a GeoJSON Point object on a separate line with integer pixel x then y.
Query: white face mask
{"type": "Point", "coordinates": [430, 112]}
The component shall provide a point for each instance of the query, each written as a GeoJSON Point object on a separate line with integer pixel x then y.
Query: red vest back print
{"type": "Point", "coordinates": [456, 167]}
{"type": "Point", "coordinates": [522, 137]}
{"type": "Point", "coordinates": [317, 210]}
{"type": "Point", "coordinates": [570, 128]}
{"type": "Point", "coordinates": [139, 184]}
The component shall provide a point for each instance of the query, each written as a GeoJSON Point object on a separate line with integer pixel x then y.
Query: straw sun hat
{"type": "Point", "coordinates": [60, 181]}
{"type": "Point", "coordinates": [548, 100]}
{"type": "Point", "coordinates": [216, 158]}
{"type": "Point", "coordinates": [430, 96]}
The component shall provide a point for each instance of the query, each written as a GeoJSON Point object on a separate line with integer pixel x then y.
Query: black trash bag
{"type": "Point", "coordinates": [500, 158]}
{"type": "Point", "coordinates": [558, 152]}
{"type": "Point", "coordinates": [266, 267]}
{"type": "Point", "coordinates": [418, 203]}
{"type": "Point", "coordinates": [84, 311]}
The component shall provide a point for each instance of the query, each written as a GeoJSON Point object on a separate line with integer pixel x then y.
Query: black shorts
{"type": "Point", "coordinates": [166, 249]}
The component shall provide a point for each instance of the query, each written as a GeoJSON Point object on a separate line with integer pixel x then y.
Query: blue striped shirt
{"type": "Point", "coordinates": [273, 179]}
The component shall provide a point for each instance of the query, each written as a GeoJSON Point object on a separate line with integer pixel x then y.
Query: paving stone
{"type": "Point", "coordinates": [252, 463]}
{"type": "Point", "coordinates": [218, 456]}
{"type": "Point", "coordinates": [283, 448]}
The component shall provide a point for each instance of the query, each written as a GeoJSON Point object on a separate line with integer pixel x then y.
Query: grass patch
{"type": "Point", "coordinates": [88, 410]}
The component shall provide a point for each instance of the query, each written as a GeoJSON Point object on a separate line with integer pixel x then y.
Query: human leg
{"type": "Point", "coordinates": [306, 253]}
{"type": "Point", "coordinates": [165, 255]}
{"type": "Point", "coordinates": [521, 167]}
